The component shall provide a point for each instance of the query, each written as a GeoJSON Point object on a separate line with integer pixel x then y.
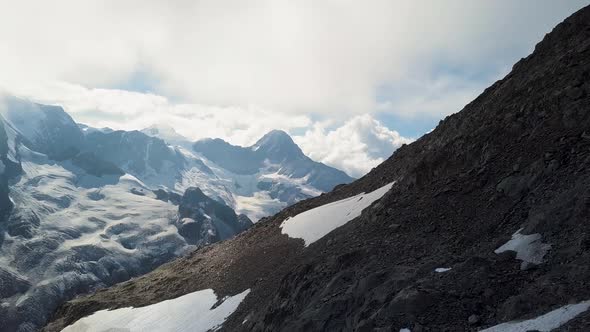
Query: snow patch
{"type": "Point", "coordinates": [190, 312]}
{"type": "Point", "coordinates": [314, 224]}
{"type": "Point", "coordinates": [2, 167]}
{"type": "Point", "coordinates": [442, 269]}
{"type": "Point", "coordinates": [185, 221]}
{"type": "Point", "coordinates": [546, 322]}
{"type": "Point", "coordinates": [529, 248]}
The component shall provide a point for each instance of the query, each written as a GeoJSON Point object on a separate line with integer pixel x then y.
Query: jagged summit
{"type": "Point", "coordinates": [277, 145]}
{"type": "Point", "coordinates": [274, 138]}
{"type": "Point", "coordinates": [275, 152]}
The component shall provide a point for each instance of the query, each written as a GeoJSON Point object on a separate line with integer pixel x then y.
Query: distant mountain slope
{"type": "Point", "coordinates": [257, 181]}
{"type": "Point", "coordinates": [202, 220]}
{"type": "Point", "coordinates": [84, 208]}
{"type": "Point", "coordinates": [486, 223]}
{"type": "Point", "coordinates": [42, 128]}
{"type": "Point", "coordinates": [275, 151]}
{"type": "Point", "coordinates": [9, 169]}
{"type": "Point", "coordinates": [72, 220]}
{"type": "Point", "coordinates": [167, 134]}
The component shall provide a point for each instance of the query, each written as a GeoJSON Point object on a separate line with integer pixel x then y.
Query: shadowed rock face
{"type": "Point", "coordinates": [516, 158]}
{"type": "Point", "coordinates": [92, 164]}
{"type": "Point", "coordinates": [43, 128]}
{"type": "Point", "coordinates": [202, 220]}
{"type": "Point", "coordinates": [134, 149]}
{"type": "Point", "coordinates": [9, 169]}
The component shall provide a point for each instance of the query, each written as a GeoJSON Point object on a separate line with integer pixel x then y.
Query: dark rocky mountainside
{"type": "Point", "coordinates": [516, 160]}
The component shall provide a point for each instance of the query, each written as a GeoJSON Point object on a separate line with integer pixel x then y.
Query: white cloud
{"type": "Point", "coordinates": [360, 144]}
{"type": "Point", "coordinates": [292, 57]}
{"type": "Point", "coordinates": [433, 97]}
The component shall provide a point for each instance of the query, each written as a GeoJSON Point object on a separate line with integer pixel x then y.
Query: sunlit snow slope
{"type": "Point", "coordinates": [314, 224]}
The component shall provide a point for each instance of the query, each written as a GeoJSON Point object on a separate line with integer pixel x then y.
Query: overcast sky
{"type": "Point", "coordinates": [350, 80]}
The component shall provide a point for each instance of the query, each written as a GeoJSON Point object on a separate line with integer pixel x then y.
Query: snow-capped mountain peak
{"type": "Point", "coordinates": [277, 145]}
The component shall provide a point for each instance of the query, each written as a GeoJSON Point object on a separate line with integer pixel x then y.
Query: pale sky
{"type": "Point", "coordinates": [349, 80]}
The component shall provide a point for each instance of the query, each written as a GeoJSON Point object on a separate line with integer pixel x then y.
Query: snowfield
{"type": "Point", "coordinates": [529, 248]}
{"type": "Point", "coordinates": [544, 323]}
{"type": "Point", "coordinates": [71, 232]}
{"type": "Point", "coordinates": [192, 312]}
{"type": "Point", "coordinates": [314, 224]}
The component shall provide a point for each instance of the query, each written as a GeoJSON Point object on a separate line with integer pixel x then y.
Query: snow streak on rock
{"type": "Point", "coordinates": [314, 224]}
{"type": "Point", "coordinates": [546, 322]}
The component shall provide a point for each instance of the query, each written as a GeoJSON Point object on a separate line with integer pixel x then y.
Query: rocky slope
{"type": "Point", "coordinates": [487, 223]}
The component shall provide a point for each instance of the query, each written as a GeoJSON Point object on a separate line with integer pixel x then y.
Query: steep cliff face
{"type": "Point", "coordinates": [9, 169]}
{"type": "Point", "coordinates": [486, 223]}
{"type": "Point", "coordinates": [43, 128]}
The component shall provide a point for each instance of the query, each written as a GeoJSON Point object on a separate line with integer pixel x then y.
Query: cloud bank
{"type": "Point", "coordinates": [337, 57]}
{"type": "Point", "coordinates": [360, 144]}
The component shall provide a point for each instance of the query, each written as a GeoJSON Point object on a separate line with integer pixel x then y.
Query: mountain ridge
{"type": "Point", "coordinates": [275, 150]}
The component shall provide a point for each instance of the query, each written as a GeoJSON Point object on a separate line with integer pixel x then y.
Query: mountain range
{"type": "Point", "coordinates": [481, 224]}
{"type": "Point", "coordinates": [83, 208]}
